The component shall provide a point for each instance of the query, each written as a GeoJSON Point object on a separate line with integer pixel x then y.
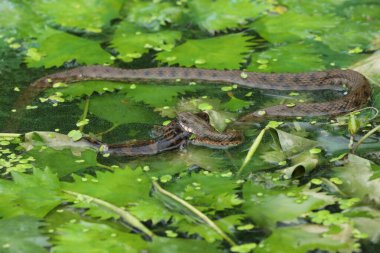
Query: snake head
{"type": "Point", "coordinates": [194, 123]}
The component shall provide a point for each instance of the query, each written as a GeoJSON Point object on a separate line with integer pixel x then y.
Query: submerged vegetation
{"type": "Point", "coordinates": [292, 187]}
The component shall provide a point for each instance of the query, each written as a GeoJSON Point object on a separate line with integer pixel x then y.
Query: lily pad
{"type": "Point", "coordinates": [210, 52]}
{"type": "Point", "coordinates": [19, 20]}
{"type": "Point", "coordinates": [22, 234]}
{"type": "Point", "coordinates": [292, 26]}
{"type": "Point", "coordinates": [223, 14]}
{"type": "Point", "coordinates": [153, 15]}
{"type": "Point", "coordinates": [356, 174]}
{"type": "Point", "coordinates": [55, 48]}
{"type": "Point", "coordinates": [32, 195]}
{"type": "Point", "coordinates": [118, 109]}
{"type": "Point", "coordinates": [94, 235]}
{"type": "Point", "coordinates": [293, 57]}
{"type": "Point", "coordinates": [267, 206]}
{"type": "Point", "coordinates": [305, 238]}
{"type": "Point", "coordinates": [79, 13]}
{"type": "Point", "coordinates": [131, 41]}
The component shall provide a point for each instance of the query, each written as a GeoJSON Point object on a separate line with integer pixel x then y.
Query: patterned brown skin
{"type": "Point", "coordinates": [358, 89]}
{"type": "Point", "coordinates": [173, 137]}
{"type": "Point", "coordinates": [205, 135]}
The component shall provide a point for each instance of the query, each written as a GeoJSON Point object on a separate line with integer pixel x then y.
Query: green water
{"type": "Point", "coordinates": [300, 191]}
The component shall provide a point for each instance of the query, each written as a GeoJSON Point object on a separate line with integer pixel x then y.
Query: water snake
{"type": "Point", "coordinates": [172, 137]}
{"type": "Point", "coordinates": [358, 90]}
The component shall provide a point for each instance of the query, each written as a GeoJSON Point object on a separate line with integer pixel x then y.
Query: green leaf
{"type": "Point", "coordinates": [55, 48]}
{"type": "Point", "coordinates": [19, 20]}
{"type": "Point", "coordinates": [236, 104]}
{"type": "Point", "coordinates": [348, 36]}
{"type": "Point", "coordinates": [132, 42]}
{"type": "Point", "coordinates": [367, 220]}
{"type": "Point", "coordinates": [356, 176]}
{"type": "Point", "coordinates": [306, 238]}
{"type": "Point", "coordinates": [222, 14]}
{"type": "Point", "coordinates": [63, 162]}
{"type": "Point", "coordinates": [79, 13]}
{"type": "Point", "coordinates": [313, 7]}
{"type": "Point", "coordinates": [362, 11]}
{"type": "Point", "coordinates": [169, 95]}
{"type": "Point", "coordinates": [293, 144]}
{"type": "Point", "coordinates": [209, 53]}
{"type": "Point", "coordinates": [123, 187]}
{"type": "Point", "coordinates": [151, 210]}
{"type": "Point", "coordinates": [199, 229]}
{"type": "Point", "coordinates": [208, 191]}
{"type": "Point", "coordinates": [294, 57]}
{"type": "Point", "coordinates": [87, 88]}
{"type": "Point", "coordinates": [33, 195]}
{"type": "Point", "coordinates": [153, 15]}
{"type": "Point", "coordinates": [118, 109]}
{"type": "Point", "coordinates": [227, 224]}
{"type": "Point", "coordinates": [21, 234]}
{"type": "Point", "coordinates": [267, 206]}
{"type": "Point", "coordinates": [90, 236]}
{"type": "Point", "coordinates": [292, 26]}
{"type": "Point", "coordinates": [56, 141]}
{"type": "Point", "coordinates": [179, 245]}
{"type": "Point", "coordinates": [244, 248]}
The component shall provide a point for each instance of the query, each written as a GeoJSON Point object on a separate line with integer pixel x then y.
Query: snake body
{"type": "Point", "coordinates": [172, 137]}
{"type": "Point", "coordinates": [358, 90]}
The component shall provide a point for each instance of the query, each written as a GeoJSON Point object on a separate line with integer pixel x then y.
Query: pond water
{"type": "Point", "coordinates": [294, 185]}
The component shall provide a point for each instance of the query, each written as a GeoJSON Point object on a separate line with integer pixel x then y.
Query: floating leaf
{"type": "Point", "coordinates": [207, 191]}
{"type": "Point", "coordinates": [19, 20]}
{"type": "Point", "coordinates": [56, 141]}
{"type": "Point", "coordinates": [312, 7]}
{"type": "Point", "coordinates": [55, 48]}
{"type": "Point", "coordinates": [179, 245]}
{"type": "Point", "coordinates": [356, 176]}
{"type": "Point", "coordinates": [350, 35]}
{"type": "Point", "coordinates": [266, 206]}
{"type": "Point", "coordinates": [201, 230]}
{"type": "Point", "coordinates": [305, 238]}
{"type": "Point", "coordinates": [169, 94]}
{"type": "Point", "coordinates": [132, 42]}
{"type": "Point", "coordinates": [88, 88]}
{"type": "Point", "coordinates": [92, 236]}
{"type": "Point", "coordinates": [125, 186]}
{"type": "Point", "coordinates": [120, 110]}
{"type": "Point", "coordinates": [209, 53]}
{"type": "Point", "coordinates": [362, 11]}
{"type": "Point", "coordinates": [367, 220]}
{"type": "Point", "coordinates": [236, 104]}
{"type": "Point", "coordinates": [222, 14]}
{"type": "Point", "coordinates": [153, 15]}
{"type": "Point", "coordinates": [152, 210]}
{"type": "Point", "coordinates": [294, 57]}
{"type": "Point", "coordinates": [79, 13]}
{"type": "Point", "coordinates": [293, 144]}
{"type": "Point", "coordinates": [63, 162]}
{"type": "Point", "coordinates": [292, 26]}
{"type": "Point", "coordinates": [33, 195]}
{"type": "Point", "coordinates": [22, 234]}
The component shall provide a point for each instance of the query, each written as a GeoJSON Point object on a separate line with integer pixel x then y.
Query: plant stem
{"type": "Point", "coordinates": [194, 210]}
{"type": "Point", "coordinates": [125, 215]}
{"type": "Point", "coordinates": [108, 130]}
{"type": "Point", "coordinates": [252, 150]}
{"type": "Point", "coordinates": [7, 135]}
{"type": "Point", "coordinates": [85, 112]}
{"type": "Point", "coordinates": [374, 130]}
{"type": "Point", "coordinates": [105, 167]}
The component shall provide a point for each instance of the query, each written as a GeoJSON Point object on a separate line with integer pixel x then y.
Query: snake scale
{"type": "Point", "coordinates": [358, 89]}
